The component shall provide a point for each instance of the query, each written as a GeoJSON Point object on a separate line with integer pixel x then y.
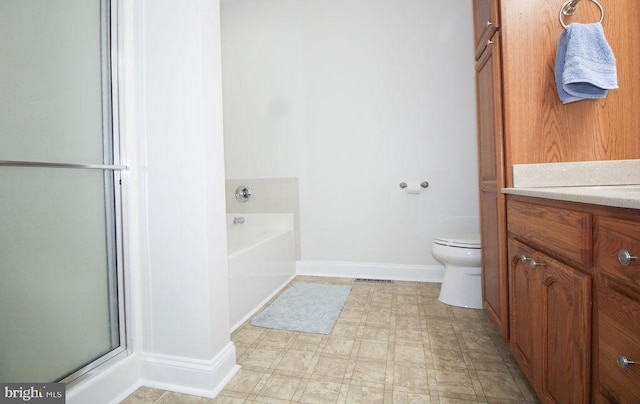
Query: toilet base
{"type": "Point", "coordinates": [462, 287]}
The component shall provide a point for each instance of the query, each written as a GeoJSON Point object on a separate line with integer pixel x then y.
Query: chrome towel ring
{"type": "Point", "coordinates": [571, 6]}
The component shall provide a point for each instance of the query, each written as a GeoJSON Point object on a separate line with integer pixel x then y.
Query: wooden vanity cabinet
{"type": "Point", "coordinates": [543, 312]}
{"type": "Point", "coordinates": [550, 299]}
{"type": "Point", "coordinates": [574, 297]}
{"type": "Point", "coordinates": [521, 119]}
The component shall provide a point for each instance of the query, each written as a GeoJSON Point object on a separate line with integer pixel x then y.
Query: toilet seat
{"type": "Point", "coordinates": [471, 241]}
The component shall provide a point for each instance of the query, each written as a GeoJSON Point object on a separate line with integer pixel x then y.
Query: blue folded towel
{"type": "Point", "coordinates": [585, 65]}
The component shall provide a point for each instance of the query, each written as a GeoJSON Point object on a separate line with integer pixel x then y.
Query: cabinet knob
{"type": "Point", "coordinates": [625, 258]}
{"type": "Point", "coordinates": [524, 258]}
{"type": "Point", "coordinates": [533, 264]}
{"type": "Point", "coordinates": [623, 362]}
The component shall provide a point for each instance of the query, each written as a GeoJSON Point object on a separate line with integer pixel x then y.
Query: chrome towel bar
{"type": "Point", "coordinates": [7, 163]}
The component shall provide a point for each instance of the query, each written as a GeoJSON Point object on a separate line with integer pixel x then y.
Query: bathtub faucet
{"type": "Point", "coordinates": [238, 220]}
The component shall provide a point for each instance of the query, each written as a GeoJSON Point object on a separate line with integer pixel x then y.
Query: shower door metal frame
{"type": "Point", "coordinates": [113, 179]}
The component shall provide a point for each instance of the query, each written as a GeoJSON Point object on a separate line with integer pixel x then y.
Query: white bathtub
{"type": "Point", "coordinates": [261, 259]}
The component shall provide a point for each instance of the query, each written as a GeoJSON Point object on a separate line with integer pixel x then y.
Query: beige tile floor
{"type": "Point", "coordinates": [393, 343]}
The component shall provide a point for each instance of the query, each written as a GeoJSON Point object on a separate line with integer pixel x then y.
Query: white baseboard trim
{"type": "Point", "coordinates": [261, 304]}
{"type": "Point", "coordinates": [111, 385]}
{"type": "Point", "coordinates": [395, 272]}
{"type": "Point", "coordinates": [205, 378]}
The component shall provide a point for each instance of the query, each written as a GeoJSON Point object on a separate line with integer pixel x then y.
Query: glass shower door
{"type": "Point", "coordinates": [61, 301]}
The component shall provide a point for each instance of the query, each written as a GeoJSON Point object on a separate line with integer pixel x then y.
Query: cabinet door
{"type": "Point", "coordinates": [485, 22]}
{"type": "Point", "coordinates": [564, 307]}
{"type": "Point", "coordinates": [489, 104]}
{"type": "Point", "coordinates": [494, 281]}
{"type": "Point", "coordinates": [492, 202]}
{"type": "Point", "coordinates": [522, 299]}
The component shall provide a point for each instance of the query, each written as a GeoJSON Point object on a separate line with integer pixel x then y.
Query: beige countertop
{"type": "Point", "coordinates": [622, 196]}
{"type": "Point", "coordinates": [609, 183]}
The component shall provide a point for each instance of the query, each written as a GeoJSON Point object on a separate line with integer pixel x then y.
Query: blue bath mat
{"type": "Point", "coordinates": [305, 307]}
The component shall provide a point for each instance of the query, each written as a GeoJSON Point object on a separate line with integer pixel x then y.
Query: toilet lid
{"type": "Point", "coordinates": [469, 240]}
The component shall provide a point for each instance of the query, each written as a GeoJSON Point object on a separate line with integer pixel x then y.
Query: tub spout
{"type": "Point", "coordinates": [238, 220]}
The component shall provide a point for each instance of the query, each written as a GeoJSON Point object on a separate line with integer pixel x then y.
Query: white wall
{"type": "Point", "coordinates": [172, 117]}
{"type": "Point", "coordinates": [187, 306]}
{"type": "Point", "coordinates": [354, 97]}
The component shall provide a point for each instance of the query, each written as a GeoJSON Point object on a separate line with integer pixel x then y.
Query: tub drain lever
{"type": "Point", "coordinates": [238, 220]}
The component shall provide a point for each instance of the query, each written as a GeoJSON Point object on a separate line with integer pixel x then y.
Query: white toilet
{"type": "Point", "coordinates": [462, 283]}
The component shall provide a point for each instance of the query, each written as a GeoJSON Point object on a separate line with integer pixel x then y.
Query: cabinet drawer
{"type": "Point", "coordinates": [615, 236]}
{"type": "Point", "coordinates": [561, 231]}
{"type": "Point", "coordinates": [619, 328]}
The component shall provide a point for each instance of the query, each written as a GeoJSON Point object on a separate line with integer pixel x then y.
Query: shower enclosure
{"type": "Point", "coordinates": [61, 289]}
